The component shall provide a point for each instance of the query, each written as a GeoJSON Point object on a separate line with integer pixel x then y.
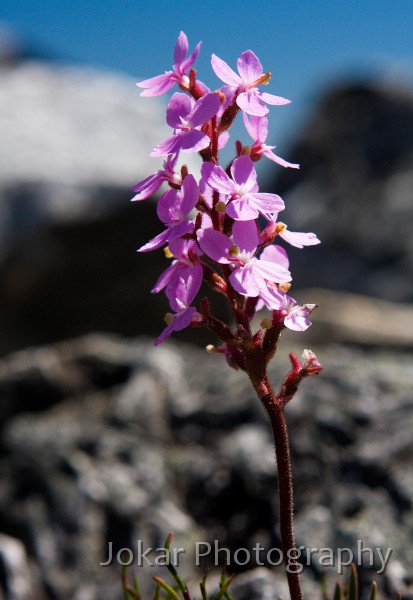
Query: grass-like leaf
{"type": "Point", "coordinates": [171, 592]}
{"type": "Point", "coordinates": [373, 594]}
{"type": "Point", "coordinates": [354, 584]}
{"type": "Point", "coordinates": [338, 592]}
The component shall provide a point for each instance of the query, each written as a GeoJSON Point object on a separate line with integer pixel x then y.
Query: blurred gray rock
{"type": "Point", "coordinates": [72, 138]}
{"type": "Point", "coordinates": [355, 191]}
{"type": "Point", "coordinates": [106, 440]}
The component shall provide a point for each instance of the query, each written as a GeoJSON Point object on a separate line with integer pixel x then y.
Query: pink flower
{"type": "Point", "coordinates": [244, 202]}
{"type": "Point", "coordinates": [249, 98]}
{"type": "Point", "coordinates": [160, 84]}
{"type": "Point", "coordinates": [257, 127]}
{"type": "Point", "coordinates": [184, 314]}
{"type": "Point", "coordinates": [173, 208]}
{"type": "Point", "coordinates": [178, 321]}
{"type": "Point", "coordinates": [186, 117]}
{"type": "Point", "coordinates": [185, 268]}
{"type": "Point", "coordinates": [298, 239]}
{"type": "Point", "coordinates": [249, 274]}
{"type": "Point", "coordinates": [151, 184]}
{"type": "Point", "coordinates": [294, 315]}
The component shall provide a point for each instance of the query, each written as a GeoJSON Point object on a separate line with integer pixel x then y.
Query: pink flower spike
{"type": "Point", "coordinates": [161, 84]}
{"type": "Point", "coordinates": [249, 98]}
{"type": "Point", "coordinates": [257, 128]}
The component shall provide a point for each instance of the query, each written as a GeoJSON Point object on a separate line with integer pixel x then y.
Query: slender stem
{"type": "Point", "coordinates": [275, 411]}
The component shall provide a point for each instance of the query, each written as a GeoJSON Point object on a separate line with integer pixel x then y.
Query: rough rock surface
{"type": "Point", "coordinates": [354, 189]}
{"type": "Point", "coordinates": [105, 440]}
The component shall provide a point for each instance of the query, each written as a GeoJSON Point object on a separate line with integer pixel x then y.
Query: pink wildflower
{"type": "Point", "coordinates": [186, 117]}
{"type": "Point", "coordinates": [249, 98]}
{"type": "Point", "coordinates": [249, 274]}
{"type": "Point", "coordinates": [173, 209]}
{"type": "Point", "coordinates": [160, 84]}
{"type": "Point", "coordinates": [244, 201]}
{"type": "Point", "coordinates": [257, 128]}
{"type": "Point", "coordinates": [298, 239]}
{"type": "Point", "coordinates": [151, 184]}
{"type": "Point", "coordinates": [293, 315]}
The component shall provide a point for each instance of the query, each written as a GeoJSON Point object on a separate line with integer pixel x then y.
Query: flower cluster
{"type": "Point", "coordinates": [220, 229]}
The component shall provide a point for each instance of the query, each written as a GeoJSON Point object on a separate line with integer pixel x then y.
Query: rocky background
{"type": "Point", "coordinates": [104, 438]}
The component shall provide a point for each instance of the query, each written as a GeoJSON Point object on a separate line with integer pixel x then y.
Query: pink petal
{"type": "Point", "coordinates": [299, 239]}
{"type": "Point", "coordinates": [249, 67]}
{"type": "Point", "coordinates": [267, 203]}
{"type": "Point", "coordinates": [168, 205]}
{"type": "Point", "coordinates": [193, 141]}
{"type": "Point", "coordinates": [216, 178]}
{"type": "Point", "coordinates": [181, 49]}
{"type": "Point", "coordinates": [157, 85]}
{"type": "Point", "coordinates": [243, 172]}
{"type": "Point", "coordinates": [165, 277]}
{"type": "Point", "coordinates": [275, 254]}
{"type": "Point", "coordinates": [297, 319]}
{"type": "Point", "coordinates": [157, 242]}
{"type": "Point", "coordinates": [179, 106]}
{"type": "Point", "coordinates": [169, 146]}
{"type": "Point", "coordinates": [223, 139]}
{"type": "Point", "coordinates": [245, 281]}
{"type": "Point", "coordinates": [224, 72]}
{"type": "Point", "coordinates": [273, 100]}
{"type": "Point", "coordinates": [277, 159]}
{"type": "Point", "coordinates": [204, 109]}
{"type": "Point", "coordinates": [272, 271]}
{"type": "Point", "coordinates": [251, 104]}
{"type": "Point", "coordinates": [148, 186]}
{"type": "Point", "coordinates": [187, 64]}
{"type": "Point", "coordinates": [194, 283]}
{"type": "Point", "coordinates": [257, 127]}
{"type": "Point", "coordinates": [183, 288]}
{"type": "Point", "coordinates": [273, 299]}
{"type": "Point", "coordinates": [190, 194]}
{"type": "Point", "coordinates": [245, 236]}
{"type": "Point", "coordinates": [215, 244]}
{"type": "Point", "coordinates": [241, 209]}
{"type": "Point", "coordinates": [180, 321]}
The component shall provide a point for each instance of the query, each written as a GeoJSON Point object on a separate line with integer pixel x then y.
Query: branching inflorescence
{"type": "Point", "coordinates": [221, 230]}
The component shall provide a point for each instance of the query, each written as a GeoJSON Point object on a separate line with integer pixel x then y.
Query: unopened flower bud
{"type": "Point", "coordinates": [284, 287]}
{"type": "Point", "coordinates": [220, 206]}
{"type": "Point", "coordinates": [312, 365]}
{"type": "Point", "coordinates": [266, 324]}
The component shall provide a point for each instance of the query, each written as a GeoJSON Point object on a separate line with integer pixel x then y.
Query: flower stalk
{"type": "Point", "coordinates": [223, 244]}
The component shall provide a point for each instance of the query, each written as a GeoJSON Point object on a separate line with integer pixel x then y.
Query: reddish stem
{"type": "Point", "coordinates": [274, 408]}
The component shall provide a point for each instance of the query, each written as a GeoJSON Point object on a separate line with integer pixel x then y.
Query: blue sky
{"type": "Point", "coordinates": [304, 43]}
